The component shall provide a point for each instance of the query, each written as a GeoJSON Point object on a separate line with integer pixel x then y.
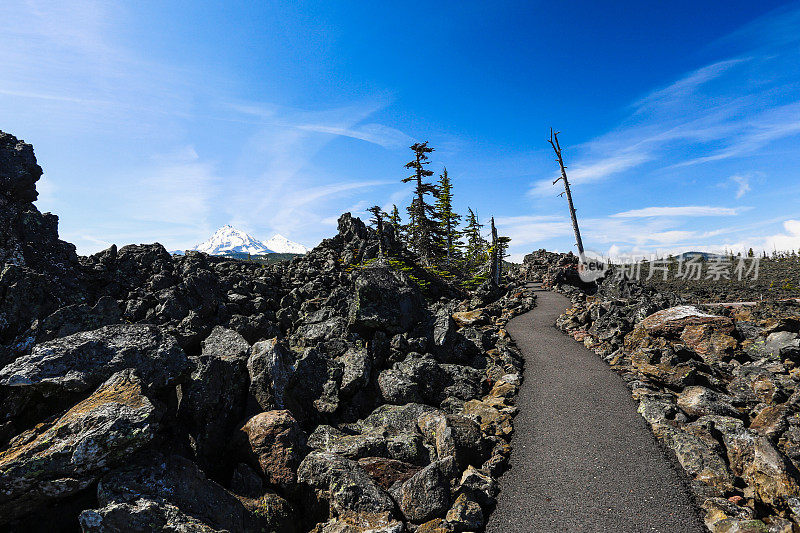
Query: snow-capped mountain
{"type": "Point", "coordinates": [227, 240]}
{"type": "Point", "coordinates": [280, 244]}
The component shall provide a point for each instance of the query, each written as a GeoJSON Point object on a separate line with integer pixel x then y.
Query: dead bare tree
{"type": "Point", "coordinates": [494, 272]}
{"type": "Point", "coordinates": [557, 149]}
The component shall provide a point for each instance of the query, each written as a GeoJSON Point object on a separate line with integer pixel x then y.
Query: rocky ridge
{"type": "Point", "coordinates": [340, 392]}
{"type": "Point", "coordinates": [719, 387]}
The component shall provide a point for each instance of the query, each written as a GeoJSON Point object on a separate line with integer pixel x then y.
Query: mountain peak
{"type": "Point", "coordinates": [228, 239]}
{"type": "Point", "coordinates": [281, 244]}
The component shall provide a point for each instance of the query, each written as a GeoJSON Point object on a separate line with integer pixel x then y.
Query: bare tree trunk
{"type": "Point", "coordinates": [557, 149]}
{"type": "Point", "coordinates": [495, 259]}
{"type": "Point", "coordinates": [381, 251]}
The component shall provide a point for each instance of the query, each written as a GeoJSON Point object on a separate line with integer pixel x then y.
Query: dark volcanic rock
{"type": "Point", "coordinates": [158, 381]}
{"type": "Point", "coordinates": [342, 486]}
{"type": "Point", "coordinates": [19, 171]}
{"type": "Point", "coordinates": [270, 366]}
{"type": "Point", "coordinates": [81, 361]}
{"type": "Point", "coordinates": [214, 397]}
{"type": "Point", "coordinates": [387, 472]}
{"type": "Point", "coordinates": [384, 301]}
{"type": "Point", "coordinates": [60, 458]}
{"type": "Point", "coordinates": [427, 493]}
{"type": "Point", "coordinates": [169, 494]}
{"type": "Point", "coordinates": [273, 442]}
{"type": "Point", "coordinates": [39, 272]}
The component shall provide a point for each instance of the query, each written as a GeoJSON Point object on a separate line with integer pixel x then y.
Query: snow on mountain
{"type": "Point", "coordinates": [282, 245]}
{"type": "Point", "coordinates": [228, 239]}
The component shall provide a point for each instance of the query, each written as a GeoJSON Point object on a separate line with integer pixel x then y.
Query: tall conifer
{"type": "Point", "coordinates": [422, 228]}
{"type": "Point", "coordinates": [448, 220]}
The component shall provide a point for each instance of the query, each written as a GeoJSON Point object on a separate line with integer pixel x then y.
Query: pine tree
{"type": "Point", "coordinates": [422, 228]}
{"type": "Point", "coordinates": [502, 249]}
{"type": "Point", "coordinates": [377, 220]}
{"type": "Point", "coordinates": [476, 245]}
{"type": "Point", "coordinates": [394, 219]}
{"type": "Point", "coordinates": [377, 217]}
{"type": "Point", "coordinates": [448, 220]}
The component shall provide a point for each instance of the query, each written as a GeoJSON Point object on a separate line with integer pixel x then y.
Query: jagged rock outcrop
{"type": "Point", "coordinates": [39, 272]}
{"type": "Point", "coordinates": [339, 392]}
{"type": "Point", "coordinates": [172, 494]}
{"type": "Point", "coordinates": [60, 458]}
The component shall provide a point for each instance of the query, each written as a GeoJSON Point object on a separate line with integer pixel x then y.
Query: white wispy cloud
{"type": "Point", "coordinates": [789, 239]}
{"type": "Point", "coordinates": [728, 109]}
{"type": "Point", "coordinates": [754, 133]}
{"type": "Point", "coordinates": [66, 66]}
{"type": "Point", "coordinates": [373, 133]}
{"type": "Point", "coordinates": [295, 196]}
{"type": "Point", "coordinates": [591, 171]}
{"type": "Point", "coordinates": [743, 185]}
{"type": "Point", "coordinates": [679, 211]}
{"type": "Point", "coordinates": [178, 189]}
{"type": "Point", "coordinates": [666, 98]}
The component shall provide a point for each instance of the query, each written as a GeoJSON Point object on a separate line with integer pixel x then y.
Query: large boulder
{"type": "Point", "coordinates": [312, 390]}
{"type": "Point", "coordinates": [384, 300]}
{"type": "Point", "coordinates": [57, 459]}
{"type": "Point", "coordinates": [357, 368]}
{"type": "Point", "coordinates": [705, 339]}
{"type": "Point", "coordinates": [170, 494]}
{"type": "Point", "coordinates": [671, 322]}
{"type": "Point", "coordinates": [270, 365]}
{"type": "Point", "coordinates": [272, 441]}
{"type": "Point", "coordinates": [697, 458]}
{"type": "Point", "coordinates": [350, 445]}
{"type": "Point", "coordinates": [340, 485]}
{"type": "Point", "coordinates": [81, 361]}
{"type": "Point", "coordinates": [779, 345]}
{"type": "Point", "coordinates": [74, 318]}
{"type": "Point", "coordinates": [407, 446]}
{"type": "Point", "coordinates": [427, 494]}
{"type": "Point", "coordinates": [418, 379]}
{"type": "Point", "coordinates": [698, 401]}
{"type": "Point", "coordinates": [215, 396]}
{"type": "Point", "coordinates": [395, 419]}
{"type": "Point", "coordinates": [225, 343]}
{"type": "Point", "coordinates": [454, 436]}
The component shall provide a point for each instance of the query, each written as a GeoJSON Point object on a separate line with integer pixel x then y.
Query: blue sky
{"type": "Point", "coordinates": [680, 121]}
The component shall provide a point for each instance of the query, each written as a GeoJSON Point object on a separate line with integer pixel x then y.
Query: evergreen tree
{"type": "Point", "coordinates": [502, 249]}
{"type": "Point", "coordinates": [377, 217]}
{"type": "Point", "coordinates": [476, 245]}
{"type": "Point", "coordinates": [448, 220]}
{"type": "Point", "coordinates": [394, 219]}
{"type": "Point", "coordinates": [377, 220]}
{"type": "Point", "coordinates": [422, 228]}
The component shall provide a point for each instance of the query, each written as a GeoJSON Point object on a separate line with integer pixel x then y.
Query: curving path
{"type": "Point", "coordinates": [583, 459]}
